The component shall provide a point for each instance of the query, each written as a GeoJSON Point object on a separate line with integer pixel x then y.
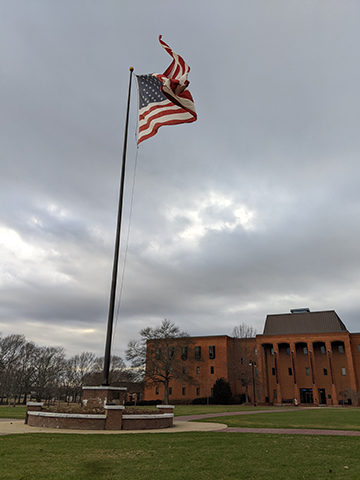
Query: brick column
{"type": "Point", "coordinates": [165, 408]}
{"type": "Point", "coordinates": [277, 376]}
{"type": "Point", "coordinates": [334, 400]}
{"type": "Point", "coordinates": [32, 407]}
{"type": "Point", "coordinates": [350, 365]}
{"type": "Point", "coordinates": [313, 377]}
{"type": "Point", "coordinates": [293, 364]}
{"type": "Point", "coordinates": [103, 395]}
{"type": "Point", "coordinates": [265, 372]}
{"type": "Point", "coordinates": [113, 417]}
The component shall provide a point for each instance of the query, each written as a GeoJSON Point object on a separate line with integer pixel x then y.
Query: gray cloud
{"type": "Point", "coordinates": [251, 210]}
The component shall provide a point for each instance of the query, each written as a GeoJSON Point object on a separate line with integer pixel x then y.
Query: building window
{"type": "Point", "coordinates": [275, 393]}
{"type": "Point", "coordinates": [197, 370]}
{"type": "Point", "coordinates": [242, 361]}
{"type": "Point", "coordinates": [273, 371]}
{"type": "Point", "coordinates": [197, 353]}
{"type": "Point", "coordinates": [341, 349]}
{"type": "Point", "coordinates": [257, 371]}
{"type": "Point", "coordinates": [305, 350]}
{"type": "Point", "coordinates": [288, 351]}
{"type": "Point", "coordinates": [343, 370]}
{"type": "Point", "coordinates": [212, 370]}
{"type": "Point", "coordinates": [271, 351]}
{"type": "Point", "coordinates": [157, 353]}
{"type": "Point", "coordinates": [171, 353]}
{"type": "Point", "coordinates": [184, 353]}
{"type": "Point", "coordinates": [290, 371]}
{"type": "Point", "coordinates": [255, 351]}
{"type": "Point", "coordinates": [198, 391]}
{"type": "Point", "coordinates": [157, 391]}
{"type": "Point", "coordinates": [307, 371]}
{"type": "Point", "coordinates": [184, 391]}
{"type": "Point", "coordinates": [322, 349]}
{"type": "Point", "coordinates": [325, 371]}
{"type": "Point", "coordinates": [212, 351]}
{"type": "Point", "coordinates": [170, 390]}
{"type": "Point", "coordinates": [359, 348]}
{"type": "Point", "coordinates": [184, 370]}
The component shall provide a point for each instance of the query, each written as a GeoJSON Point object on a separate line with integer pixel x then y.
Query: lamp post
{"type": "Point", "coordinates": [253, 365]}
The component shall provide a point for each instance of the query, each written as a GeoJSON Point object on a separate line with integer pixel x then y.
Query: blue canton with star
{"type": "Point", "coordinates": [149, 90]}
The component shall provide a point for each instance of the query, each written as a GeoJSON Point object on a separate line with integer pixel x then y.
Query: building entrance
{"type": "Point", "coordinates": [306, 395]}
{"type": "Point", "coordinates": [322, 396]}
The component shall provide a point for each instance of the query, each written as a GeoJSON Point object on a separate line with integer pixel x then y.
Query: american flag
{"type": "Point", "coordinates": [164, 99]}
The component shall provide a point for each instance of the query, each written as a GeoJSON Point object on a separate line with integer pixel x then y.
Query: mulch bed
{"type": "Point", "coordinates": [97, 410]}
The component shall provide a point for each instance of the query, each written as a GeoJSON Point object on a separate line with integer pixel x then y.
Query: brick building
{"type": "Point", "coordinates": [304, 357]}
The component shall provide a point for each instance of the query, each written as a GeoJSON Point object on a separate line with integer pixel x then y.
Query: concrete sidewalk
{"type": "Point", "coordinates": [8, 426]}
{"type": "Point", "coordinates": [189, 418]}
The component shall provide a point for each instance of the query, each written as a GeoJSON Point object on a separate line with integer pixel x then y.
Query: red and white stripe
{"type": "Point", "coordinates": [178, 67]}
{"type": "Point", "coordinates": [179, 106]}
{"type": "Point", "coordinates": [156, 115]}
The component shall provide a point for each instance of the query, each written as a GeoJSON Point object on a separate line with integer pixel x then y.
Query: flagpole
{"type": "Point", "coordinates": [116, 252]}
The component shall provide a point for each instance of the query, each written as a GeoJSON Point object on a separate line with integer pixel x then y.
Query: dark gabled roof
{"type": "Point", "coordinates": [305, 322]}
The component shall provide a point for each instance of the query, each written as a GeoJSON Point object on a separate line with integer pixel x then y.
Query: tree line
{"type": "Point", "coordinates": [28, 371]}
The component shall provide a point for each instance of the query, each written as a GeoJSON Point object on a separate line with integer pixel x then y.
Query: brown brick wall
{"type": "Point", "coordinates": [114, 420]}
{"type": "Point", "coordinates": [205, 379]}
{"type": "Point", "coordinates": [132, 423]}
{"type": "Point", "coordinates": [67, 423]}
{"type": "Point", "coordinates": [165, 408]}
{"type": "Point", "coordinates": [287, 384]}
{"type": "Point", "coordinates": [333, 360]}
{"type": "Point", "coordinates": [355, 346]}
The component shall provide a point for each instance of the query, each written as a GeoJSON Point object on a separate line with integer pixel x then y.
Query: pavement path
{"type": "Point", "coordinates": [181, 424]}
{"type": "Point", "coordinates": [189, 418]}
{"type": "Point", "coordinates": [9, 426]}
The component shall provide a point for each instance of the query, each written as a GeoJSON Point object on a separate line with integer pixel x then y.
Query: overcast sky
{"type": "Point", "coordinates": [253, 209]}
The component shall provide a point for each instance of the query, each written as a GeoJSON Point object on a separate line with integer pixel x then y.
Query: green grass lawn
{"type": "Point", "coordinates": [324, 418]}
{"type": "Point", "coordinates": [12, 412]}
{"type": "Point", "coordinates": [187, 456]}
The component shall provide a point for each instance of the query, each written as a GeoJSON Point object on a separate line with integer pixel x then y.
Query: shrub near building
{"type": "Point", "coordinates": [221, 392]}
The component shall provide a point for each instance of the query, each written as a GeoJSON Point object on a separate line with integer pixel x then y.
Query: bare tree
{"type": "Point", "coordinates": [26, 370]}
{"type": "Point", "coordinates": [239, 365]}
{"type": "Point", "coordinates": [26, 367]}
{"type": "Point", "coordinates": [50, 366]}
{"type": "Point", "coordinates": [119, 374]}
{"type": "Point", "coordinates": [244, 331]}
{"type": "Point", "coordinates": [10, 356]}
{"type": "Point", "coordinates": [82, 365]}
{"type": "Point", "coordinates": [68, 379]}
{"type": "Point", "coordinates": [157, 355]}
{"type": "Point", "coordinates": [350, 394]}
{"type": "Point", "coordinates": [242, 357]}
